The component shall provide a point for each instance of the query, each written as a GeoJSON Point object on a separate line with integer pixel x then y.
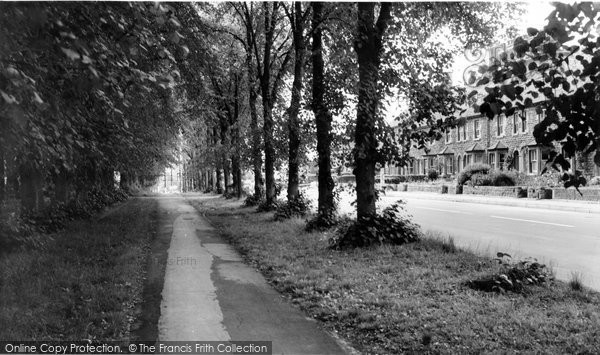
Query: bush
{"type": "Point", "coordinates": [466, 174]}
{"type": "Point", "coordinates": [416, 178]}
{"type": "Point", "coordinates": [502, 179]}
{"type": "Point", "coordinates": [253, 200]}
{"type": "Point", "coordinates": [395, 180]}
{"type": "Point", "coordinates": [433, 174]}
{"type": "Point", "coordinates": [513, 276]}
{"type": "Point", "coordinates": [480, 179]}
{"type": "Point", "coordinates": [594, 181]}
{"type": "Point", "coordinates": [298, 207]}
{"type": "Point", "coordinates": [264, 206]}
{"type": "Point", "coordinates": [389, 227]}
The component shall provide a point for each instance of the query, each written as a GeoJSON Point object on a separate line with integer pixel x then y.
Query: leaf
{"type": "Point", "coordinates": [37, 99]}
{"type": "Point", "coordinates": [71, 54]}
{"type": "Point", "coordinates": [86, 60]}
{"type": "Point", "coordinates": [8, 98]}
{"type": "Point", "coordinates": [532, 31]}
{"type": "Point", "coordinates": [176, 37]}
{"type": "Point", "coordinates": [174, 22]}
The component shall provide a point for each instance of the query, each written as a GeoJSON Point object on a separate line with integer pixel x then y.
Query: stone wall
{"type": "Point", "coordinates": [508, 191]}
{"type": "Point", "coordinates": [587, 194]}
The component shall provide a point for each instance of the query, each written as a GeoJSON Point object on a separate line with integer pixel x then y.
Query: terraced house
{"type": "Point", "coordinates": [503, 142]}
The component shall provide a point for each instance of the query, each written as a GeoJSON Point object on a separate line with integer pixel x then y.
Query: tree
{"type": "Point", "coordinates": [368, 46]}
{"type": "Point", "coordinates": [556, 70]}
{"type": "Point", "coordinates": [399, 42]}
{"type": "Point", "coordinates": [297, 19]}
{"type": "Point", "coordinates": [326, 203]}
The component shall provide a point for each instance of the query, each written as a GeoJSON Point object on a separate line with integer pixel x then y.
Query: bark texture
{"type": "Point", "coordinates": [368, 46]}
{"type": "Point", "coordinates": [326, 205]}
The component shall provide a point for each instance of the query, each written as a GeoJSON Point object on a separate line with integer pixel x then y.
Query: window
{"type": "Point", "coordinates": [500, 126]}
{"type": "Point", "coordinates": [478, 158]}
{"type": "Point", "coordinates": [501, 160]}
{"type": "Point", "coordinates": [540, 116]}
{"type": "Point", "coordinates": [492, 160]}
{"type": "Point", "coordinates": [533, 160]}
{"type": "Point", "coordinates": [448, 136]}
{"type": "Point", "coordinates": [515, 123]}
{"type": "Point", "coordinates": [529, 115]}
{"type": "Point", "coordinates": [476, 129]}
{"type": "Point", "coordinates": [450, 165]}
{"type": "Point", "coordinates": [458, 164]}
{"type": "Point", "coordinates": [411, 167]}
{"type": "Point", "coordinates": [464, 132]}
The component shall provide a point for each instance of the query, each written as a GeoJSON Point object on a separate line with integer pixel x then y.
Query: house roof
{"type": "Point", "coordinates": [446, 151]}
{"type": "Point", "coordinates": [498, 146]}
{"type": "Point", "coordinates": [475, 148]}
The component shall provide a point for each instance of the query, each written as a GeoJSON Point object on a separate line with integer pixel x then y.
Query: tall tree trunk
{"type": "Point", "coordinates": [294, 109]}
{"type": "Point", "coordinates": [256, 140]}
{"type": "Point", "coordinates": [226, 174]}
{"type": "Point", "coordinates": [2, 176]}
{"type": "Point", "coordinates": [368, 46]}
{"type": "Point", "coordinates": [326, 206]}
{"type": "Point", "coordinates": [31, 188]}
{"type": "Point", "coordinates": [265, 86]}
{"type": "Point", "coordinates": [62, 187]}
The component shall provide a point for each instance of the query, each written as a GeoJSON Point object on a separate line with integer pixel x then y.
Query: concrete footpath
{"type": "Point", "coordinates": [209, 294]}
{"type": "Point", "coordinates": [561, 205]}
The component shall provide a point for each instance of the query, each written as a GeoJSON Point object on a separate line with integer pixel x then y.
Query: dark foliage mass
{"type": "Point", "coordinates": [392, 226]}
{"type": "Point", "coordinates": [514, 276]}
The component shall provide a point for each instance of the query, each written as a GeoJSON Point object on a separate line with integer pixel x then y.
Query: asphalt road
{"type": "Point", "coordinates": [569, 242]}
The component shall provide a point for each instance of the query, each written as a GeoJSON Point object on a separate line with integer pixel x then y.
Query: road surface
{"type": "Point", "coordinates": [569, 242]}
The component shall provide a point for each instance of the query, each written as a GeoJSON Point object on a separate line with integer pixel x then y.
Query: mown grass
{"type": "Point", "coordinates": [85, 284]}
{"type": "Point", "coordinates": [411, 298]}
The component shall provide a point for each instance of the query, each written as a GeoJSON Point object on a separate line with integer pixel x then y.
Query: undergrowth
{"type": "Point", "coordinates": [392, 226]}
{"type": "Point", "coordinates": [514, 276]}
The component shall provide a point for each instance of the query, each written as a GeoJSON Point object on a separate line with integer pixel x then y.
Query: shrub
{"type": "Point", "coordinates": [395, 180]}
{"type": "Point", "coordinates": [433, 174]}
{"type": "Point", "coordinates": [389, 227]}
{"type": "Point", "coordinates": [253, 200]}
{"type": "Point", "coordinates": [500, 178]}
{"type": "Point", "coordinates": [264, 206]}
{"type": "Point", "coordinates": [322, 222]}
{"type": "Point", "coordinates": [480, 179]}
{"type": "Point", "coordinates": [416, 178]}
{"type": "Point", "coordinates": [513, 276]}
{"type": "Point", "coordinates": [297, 207]}
{"type": "Point", "coordinates": [594, 181]}
{"type": "Point", "coordinates": [470, 170]}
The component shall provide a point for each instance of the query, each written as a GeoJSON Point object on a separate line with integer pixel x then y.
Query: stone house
{"type": "Point", "coordinates": [503, 143]}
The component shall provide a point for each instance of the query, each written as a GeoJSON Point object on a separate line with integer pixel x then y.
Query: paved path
{"type": "Point", "coordinates": [210, 294]}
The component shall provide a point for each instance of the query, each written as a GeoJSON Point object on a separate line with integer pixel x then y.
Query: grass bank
{"type": "Point", "coordinates": [411, 298]}
{"type": "Point", "coordinates": [85, 284]}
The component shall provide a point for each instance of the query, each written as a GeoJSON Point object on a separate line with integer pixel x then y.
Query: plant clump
{"type": "Point", "coordinates": [433, 174]}
{"type": "Point", "coordinates": [513, 277]}
{"type": "Point", "coordinates": [392, 226]}
{"type": "Point", "coordinates": [297, 207]}
{"type": "Point", "coordinates": [466, 174]}
{"type": "Point", "coordinates": [253, 200]}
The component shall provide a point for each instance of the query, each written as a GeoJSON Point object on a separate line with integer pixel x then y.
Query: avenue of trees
{"type": "Point", "coordinates": [88, 90]}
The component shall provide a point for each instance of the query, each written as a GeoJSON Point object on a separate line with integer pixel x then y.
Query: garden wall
{"type": "Point", "coordinates": [505, 191]}
{"type": "Point", "coordinates": [589, 194]}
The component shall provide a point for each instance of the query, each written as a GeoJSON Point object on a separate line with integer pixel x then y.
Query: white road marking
{"type": "Point", "coordinates": [439, 209]}
{"type": "Point", "coordinates": [532, 221]}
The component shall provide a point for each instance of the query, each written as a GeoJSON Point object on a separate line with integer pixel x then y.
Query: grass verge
{"type": "Point", "coordinates": [410, 298]}
{"type": "Point", "coordinates": [85, 284]}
